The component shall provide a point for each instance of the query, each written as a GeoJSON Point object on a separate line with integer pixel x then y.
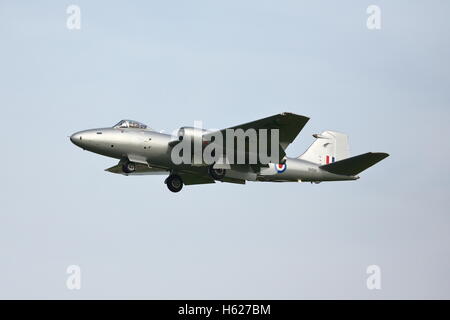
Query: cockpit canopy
{"type": "Point", "coordinates": [130, 124]}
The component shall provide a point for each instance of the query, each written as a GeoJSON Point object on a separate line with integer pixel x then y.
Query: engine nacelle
{"type": "Point", "coordinates": [191, 133]}
{"type": "Point", "coordinates": [189, 144]}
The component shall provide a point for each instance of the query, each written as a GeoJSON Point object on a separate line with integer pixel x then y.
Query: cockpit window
{"type": "Point", "coordinates": [130, 124]}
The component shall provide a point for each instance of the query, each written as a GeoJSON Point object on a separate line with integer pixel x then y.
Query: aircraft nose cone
{"type": "Point", "coordinates": [76, 138]}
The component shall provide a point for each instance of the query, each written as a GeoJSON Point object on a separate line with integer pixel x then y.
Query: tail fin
{"type": "Point", "coordinates": [354, 165]}
{"type": "Point", "coordinates": [329, 147]}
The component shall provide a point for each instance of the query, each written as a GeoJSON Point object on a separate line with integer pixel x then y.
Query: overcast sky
{"type": "Point", "coordinates": [169, 63]}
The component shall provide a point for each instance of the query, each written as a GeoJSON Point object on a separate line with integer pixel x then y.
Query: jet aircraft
{"type": "Point", "coordinates": [144, 151]}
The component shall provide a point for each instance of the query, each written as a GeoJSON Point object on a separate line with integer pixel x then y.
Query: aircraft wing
{"type": "Point", "coordinates": [288, 124]}
{"type": "Point", "coordinates": [141, 169]}
{"type": "Point", "coordinates": [189, 177]}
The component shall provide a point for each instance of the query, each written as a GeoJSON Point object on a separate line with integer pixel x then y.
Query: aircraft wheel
{"type": "Point", "coordinates": [174, 183]}
{"type": "Point", "coordinates": [216, 174]}
{"type": "Point", "coordinates": [128, 167]}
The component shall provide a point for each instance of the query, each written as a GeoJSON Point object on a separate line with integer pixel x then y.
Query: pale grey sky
{"type": "Point", "coordinates": [168, 63]}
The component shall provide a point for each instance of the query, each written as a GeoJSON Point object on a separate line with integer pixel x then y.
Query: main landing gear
{"type": "Point", "coordinates": [174, 183]}
{"type": "Point", "coordinates": [216, 174]}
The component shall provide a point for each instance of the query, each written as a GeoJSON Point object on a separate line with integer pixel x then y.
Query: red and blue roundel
{"type": "Point", "coordinates": [280, 167]}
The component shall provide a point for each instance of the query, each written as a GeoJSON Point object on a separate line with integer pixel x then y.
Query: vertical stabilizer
{"type": "Point", "coordinates": [329, 147]}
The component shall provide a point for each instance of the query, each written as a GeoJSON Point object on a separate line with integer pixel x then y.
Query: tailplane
{"type": "Point", "coordinates": [329, 147]}
{"type": "Point", "coordinates": [354, 165]}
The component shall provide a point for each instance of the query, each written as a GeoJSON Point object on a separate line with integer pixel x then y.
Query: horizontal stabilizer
{"type": "Point", "coordinates": [354, 165]}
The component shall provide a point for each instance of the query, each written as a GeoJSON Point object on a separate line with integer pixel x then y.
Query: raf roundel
{"type": "Point", "coordinates": [280, 167]}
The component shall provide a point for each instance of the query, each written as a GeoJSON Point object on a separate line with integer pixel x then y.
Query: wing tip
{"type": "Point", "coordinates": [382, 155]}
{"type": "Point", "coordinates": [287, 113]}
{"type": "Point", "coordinates": [298, 119]}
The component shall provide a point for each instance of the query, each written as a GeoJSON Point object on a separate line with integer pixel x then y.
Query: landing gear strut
{"type": "Point", "coordinates": [174, 183]}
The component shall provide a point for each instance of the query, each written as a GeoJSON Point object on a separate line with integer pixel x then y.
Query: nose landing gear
{"type": "Point", "coordinates": [128, 167]}
{"type": "Point", "coordinates": [174, 183]}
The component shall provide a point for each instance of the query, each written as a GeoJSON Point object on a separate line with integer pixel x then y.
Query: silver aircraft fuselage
{"type": "Point", "coordinates": [150, 147]}
{"type": "Point", "coordinates": [119, 143]}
